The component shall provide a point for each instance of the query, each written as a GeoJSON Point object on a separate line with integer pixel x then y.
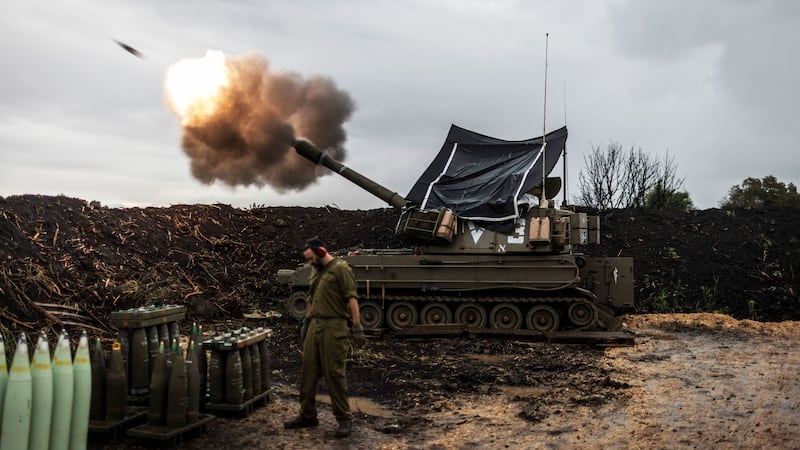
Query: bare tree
{"type": "Point", "coordinates": [614, 178]}
{"type": "Point", "coordinates": [601, 180]}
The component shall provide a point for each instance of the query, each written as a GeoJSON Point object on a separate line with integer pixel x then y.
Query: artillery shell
{"type": "Point", "coordinates": [116, 385]}
{"type": "Point", "coordinates": [82, 376]}
{"type": "Point", "coordinates": [124, 339]}
{"type": "Point", "coordinates": [139, 362]}
{"type": "Point", "coordinates": [97, 409]}
{"type": "Point", "coordinates": [3, 375]}
{"type": "Point", "coordinates": [174, 330]}
{"type": "Point", "coordinates": [247, 373]}
{"type": "Point", "coordinates": [158, 389]}
{"type": "Point", "coordinates": [193, 382]}
{"type": "Point", "coordinates": [163, 334]}
{"type": "Point", "coordinates": [263, 351]}
{"type": "Point", "coordinates": [216, 376]}
{"type": "Point", "coordinates": [152, 346]}
{"type": "Point", "coordinates": [42, 390]}
{"type": "Point", "coordinates": [63, 394]}
{"type": "Point", "coordinates": [177, 393]}
{"type": "Point", "coordinates": [234, 380]}
{"type": "Point", "coordinates": [17, 403]}
{"type": "Point", "coordinates": [255, 358]}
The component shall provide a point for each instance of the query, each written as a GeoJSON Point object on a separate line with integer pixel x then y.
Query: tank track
{"type": "Point", "coordinates": [545, 313]}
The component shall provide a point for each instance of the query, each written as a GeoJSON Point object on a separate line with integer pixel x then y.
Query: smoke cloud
{"type": "Point", "coordinates": [244, 137]}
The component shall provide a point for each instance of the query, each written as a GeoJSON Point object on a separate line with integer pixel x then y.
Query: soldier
{"type": "Point", "coordinates": [332, 303]}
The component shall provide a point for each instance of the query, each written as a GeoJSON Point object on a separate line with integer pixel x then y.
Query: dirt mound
{"type": "Point", "coordinates": [73, 262]}
{"type": "Point", "coordinates": [217, 260]}
{"type": "Point", "coordinates": [743, 262]}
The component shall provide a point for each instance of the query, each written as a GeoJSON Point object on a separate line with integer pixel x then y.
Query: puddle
{"type": "Point", "coordinates": [362, 405]}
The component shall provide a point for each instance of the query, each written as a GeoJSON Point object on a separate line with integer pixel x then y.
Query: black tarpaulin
{"type": "Point", "coordinates": [482, 178]}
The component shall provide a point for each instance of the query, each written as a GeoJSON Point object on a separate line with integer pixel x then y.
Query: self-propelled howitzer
{"type": "Point", "coordinates": [525, 275]}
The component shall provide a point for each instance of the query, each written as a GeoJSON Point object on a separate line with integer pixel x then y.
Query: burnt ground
{"type": "Point", "coordinates": [67, 262]}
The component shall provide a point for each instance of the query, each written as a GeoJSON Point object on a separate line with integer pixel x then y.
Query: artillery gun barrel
{"type": "Point", "coordinates": [309, 151]}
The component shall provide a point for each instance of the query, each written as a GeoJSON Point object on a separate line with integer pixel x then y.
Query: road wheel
{"type": "Point", "coordinates": [436, 313]}
{"type": "Point", "coordinates": [581, 314]}
{"type": "Point", "coordinates": [471, 314]}
{"type": "Point", "coordinates": [505, 316]}
{"type": "Point", "coordinates": [371, 315]}
{"type": "Point", "coordinates": [542, 318]}
{"type": "Point", "coordinates": [400, 315]}
{"type": "Point", "coordinates": [297, 304]}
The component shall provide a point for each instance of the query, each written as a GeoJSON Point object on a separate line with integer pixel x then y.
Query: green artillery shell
{"type": "Point", "coordinates": [216, 376]}
{"type": "Point", "coordinates": [265, 375]}
{"type": "Point", "coordinates": [97, 410]}
{"type": "Point", "coordinates": [174, 330]}
{"type": "Point", "coordinates": [124, 338]}
{"type": "Point", "coordinates": [82, 376]}
{"type": "Point", "coordinates": [3, 375]}
{"type": "Point", "coordinates": [163, 334]}
{"type": "Point", "coordinates": [193, 381]}
{"type": "Point", "coordinates": [234, 381]}
{"type": "Point", "coordinates": [42, 407]}
{"type": "Point", "coordinates": [152, 346]}
{"type": "Point", "coordinates": [173, 350]}
{"type": "Point", "coordinates": [17, 403]}
{"type": "Point", "coordinates": [255, 358]}
{"type": "Point", "coordinates": [63, 384]}
{"type": "Point", "coordinates": [139, 363]}
{"type": "Point", "coordinates": [158, 389]}
{"type": "Point", "coordinates": [193, 334]}
{"type": "Point", "coordinates": [247, 373]}
{"type": "Point", "coordinates": [178, 393]}
{"type": "Point", "coordinates": [116, 385]}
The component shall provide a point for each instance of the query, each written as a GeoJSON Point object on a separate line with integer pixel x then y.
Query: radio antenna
{"type": "Point", "coordinates": [543, 199]}
{"type": "Point", "coordinates": [564, 202]}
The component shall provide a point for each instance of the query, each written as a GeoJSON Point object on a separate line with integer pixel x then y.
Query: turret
{"type": "Point", "coordinates": [537, 229]}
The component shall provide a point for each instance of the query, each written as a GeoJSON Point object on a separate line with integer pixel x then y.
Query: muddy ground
{"type": "Point", "coordinates": [702, 376]}
{"type": "Point", "coordinates": [691, 381]}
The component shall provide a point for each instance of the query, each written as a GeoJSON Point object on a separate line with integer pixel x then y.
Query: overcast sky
{"type": "Point", "coordinates": [714, 83]}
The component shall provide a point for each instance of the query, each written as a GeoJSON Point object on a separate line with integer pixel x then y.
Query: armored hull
{"type": "Point", "coordinates": [399, 288]}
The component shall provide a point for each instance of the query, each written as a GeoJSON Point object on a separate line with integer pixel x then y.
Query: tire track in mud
{"type": "Point", "coordinates": [704, 388]}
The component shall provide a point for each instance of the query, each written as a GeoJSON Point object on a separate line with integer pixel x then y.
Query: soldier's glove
{"type": "Point", "coordinates": [358, 335]}
{"type": "Point", "coordinates": [303, 331]}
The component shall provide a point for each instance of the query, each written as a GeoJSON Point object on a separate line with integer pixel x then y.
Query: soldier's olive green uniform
{"type": "Point", "coordinates": [327, 342]}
